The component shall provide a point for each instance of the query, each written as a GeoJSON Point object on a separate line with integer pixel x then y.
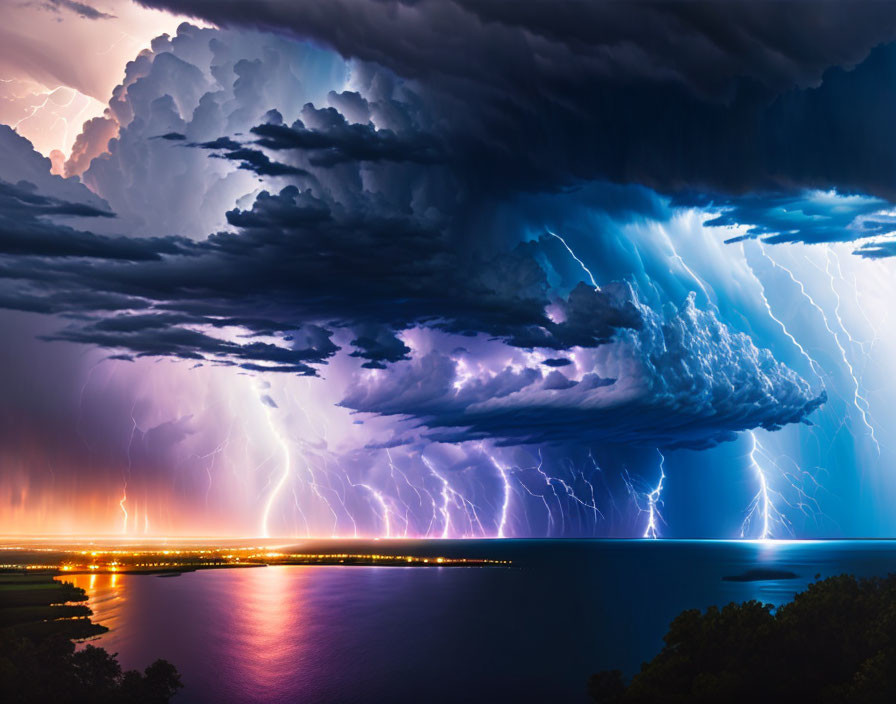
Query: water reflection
{"type": "Point", "coordinates": [105, 596]}
{"type": "Point", "coordinates": [266, 638]}
{"type": "Point", "coordinates": [360, 634]}
{"type": "Point", "coordinates": [249, 620]}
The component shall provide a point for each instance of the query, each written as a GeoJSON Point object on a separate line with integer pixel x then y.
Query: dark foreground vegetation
{"type": "Point", "coordinates": [38, 659]}
{"type": "Point", "coordinates": [835, 642]}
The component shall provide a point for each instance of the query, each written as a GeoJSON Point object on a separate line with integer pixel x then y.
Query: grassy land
{"type": "Point", "coordinates": [34, 605]}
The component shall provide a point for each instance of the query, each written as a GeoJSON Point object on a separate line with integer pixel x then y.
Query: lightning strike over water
{"type": "Point", "coordinates": [762, 508]}
{"type": "Point", "coordinates": [653, 501]}
{"type": "Point", "coordinates": [505, 504]}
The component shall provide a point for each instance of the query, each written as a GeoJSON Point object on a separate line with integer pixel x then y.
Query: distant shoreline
{"type": "Point", "coordinates": [91, 558]}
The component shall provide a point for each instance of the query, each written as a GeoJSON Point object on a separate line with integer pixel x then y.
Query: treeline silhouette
{"type": "Point", "coordinates": [39, 663]}
{"type": "Point", "coordinates": [835, 642]}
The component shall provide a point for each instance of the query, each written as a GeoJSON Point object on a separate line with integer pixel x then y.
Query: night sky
{"type": "Point", "coordinates": [447, 268]}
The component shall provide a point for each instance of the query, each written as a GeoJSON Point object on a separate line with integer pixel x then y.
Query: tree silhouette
{"type": "Point", "coordinates": [835, 642]}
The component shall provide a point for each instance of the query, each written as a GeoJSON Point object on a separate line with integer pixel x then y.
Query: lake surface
{"type": "Point", "coordinates": [531, 632]}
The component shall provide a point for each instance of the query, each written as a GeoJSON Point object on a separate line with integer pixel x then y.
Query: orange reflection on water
{"type": "Point", "coordinates": [105, 596]}
{"type": "Point", "coordinates": [267, 618]}
{"type": "Point", "coordinates": [253, 622]}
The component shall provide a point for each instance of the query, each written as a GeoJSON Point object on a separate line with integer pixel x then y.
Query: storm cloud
{"type": "Point", "coordinates": [373, 220]}
{"type": "Point", "coordinates": [684, 381]}
{"type": "Point", "coordinates": [401, 247]}
{"type": "Point", "coordinates": [726, 96]}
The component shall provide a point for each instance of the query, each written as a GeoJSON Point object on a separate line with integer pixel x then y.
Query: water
{"type": "Point", "coordinates": [533, 632]}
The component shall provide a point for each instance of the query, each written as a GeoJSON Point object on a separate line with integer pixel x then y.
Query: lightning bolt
{"type": "Point", "coordinates": [762, 507]}
{"type": "Point", "coordinates": [677, 257]}
{"type": "Point", "coordinates": [568, 491]}
{"type": "Point", "coordinates": [124, 491]}
{"type": "Point", "coordinates": [502, 473]}
{"type": "Point", "coordinates": [285, 473]}
{"type": "Point", "coordinates": [653, 500]}
{"type": "Point", "coordinates": [121, 503]}
{"type": "Point", "coordinates": [212, 456]}
{"type": "Point", "coordinates": [384, 507]}
{"type": "Point", "coordinates": [544, 500]}
{"type": "Point", "coordinates": [579, 261]}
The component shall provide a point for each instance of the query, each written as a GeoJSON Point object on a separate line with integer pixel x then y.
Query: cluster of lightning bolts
{"type": "Point", "coordinates": [647, 501]}
{"type": "Point", "coordinates": [764, 518]}
{"type": "Point", "coordinates": [412, 494]}
{"type": "Point", "coordinates": [409, 493]}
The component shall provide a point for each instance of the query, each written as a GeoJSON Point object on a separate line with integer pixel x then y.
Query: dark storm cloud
{"type": "Point", "coordinates": [292, 258]}
{"type": "Point", "coordinates": [557, 362]}
{"type": "Point", "coordinates": [23, 200]}
{"type": "Point", "coordinates": [732, 96]}
{"type": "Point", "coordinates": [394, 231]}
{"type": "Point", "coordinates": [260, 163]}
{"type": "Point", "coordinates": [877, 250]}
{"type": "Point", "coordinates": [335, 141]}
{"type": "Point", "coordinates": [378, 345]}
{"type": "Point", "coordinates": [220, 143]}
{"type": "Point", "coordinates": [699, 384]}
{"type": "Point", "coordinates": [25, 230]}
{"type": "Point", "coordinates": [160, 339]}
{"type": "Point", "coordinates": [811, 217]}
{"type": "Point", "coordinates": [700, 44]}
{"type": "Point", "coordinates": [331, 142]}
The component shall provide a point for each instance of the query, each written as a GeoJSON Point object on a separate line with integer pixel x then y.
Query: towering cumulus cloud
{"type": "Point", "coordinates": [420, 280]}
